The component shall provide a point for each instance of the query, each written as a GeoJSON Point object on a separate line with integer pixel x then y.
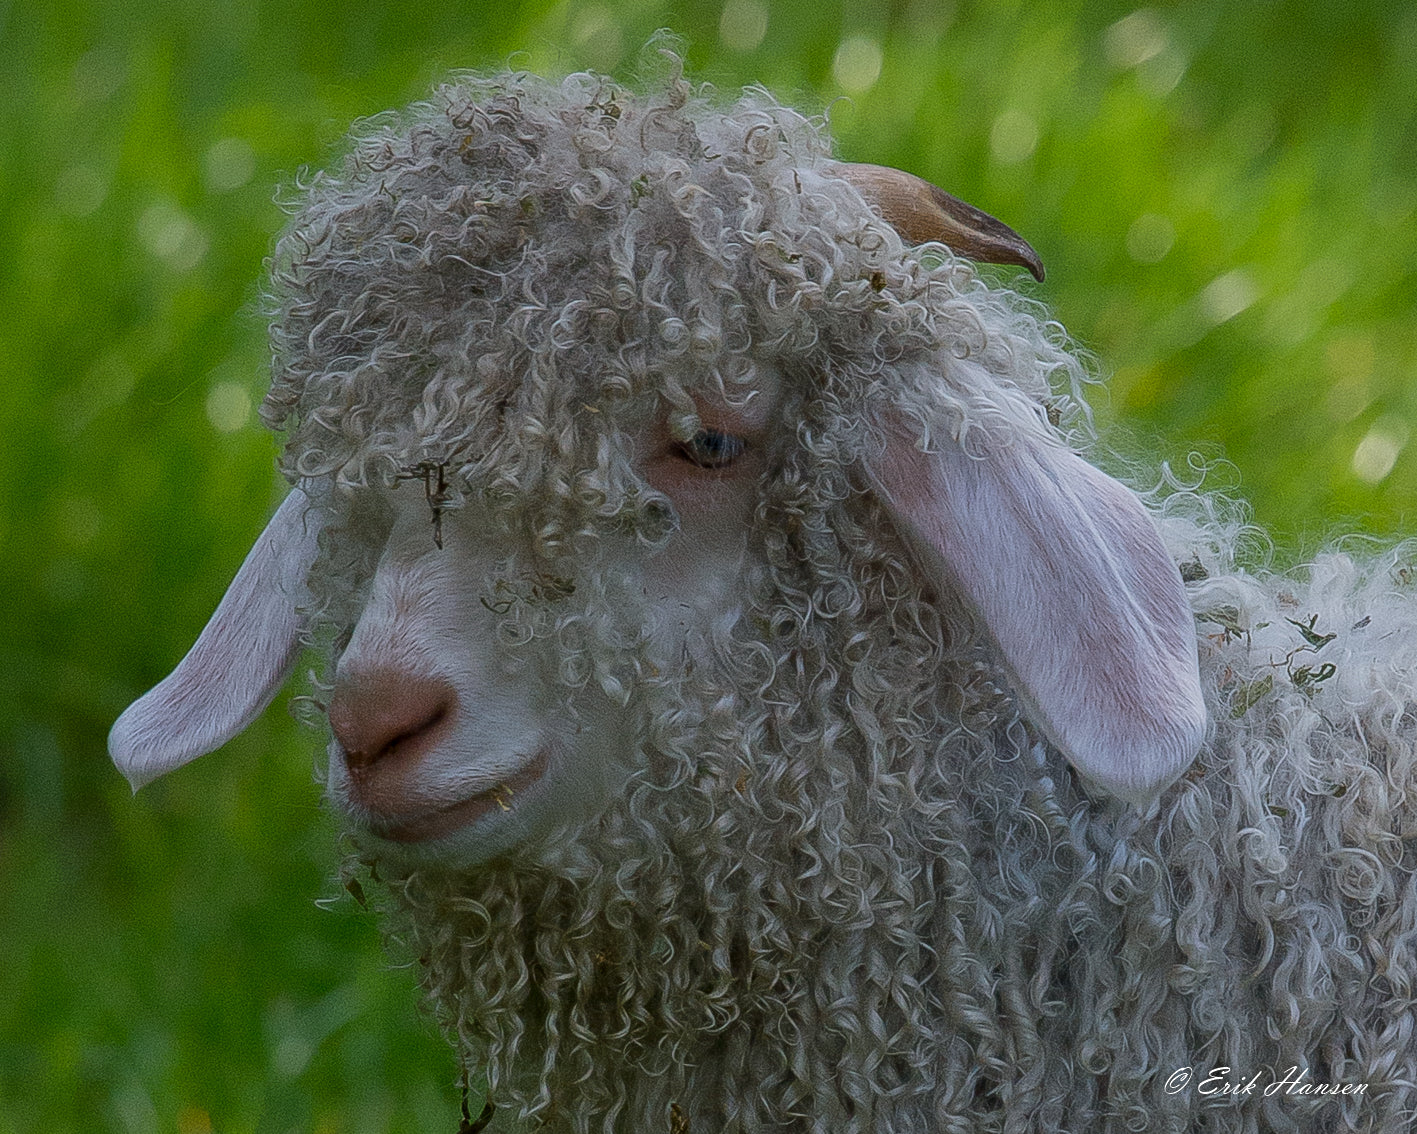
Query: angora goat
{"type": "Point", "coordinates": [761, 716]}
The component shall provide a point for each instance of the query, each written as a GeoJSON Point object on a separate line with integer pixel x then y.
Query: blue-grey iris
{"type": "Point", "coordinates": [710, 449]}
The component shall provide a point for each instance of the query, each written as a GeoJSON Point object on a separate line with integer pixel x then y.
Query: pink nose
{"type": "Point", "coordinates": [384, 713]}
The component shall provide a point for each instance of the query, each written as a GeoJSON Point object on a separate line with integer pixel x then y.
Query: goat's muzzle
{"type": "Point", "coordinates": [386, 716]}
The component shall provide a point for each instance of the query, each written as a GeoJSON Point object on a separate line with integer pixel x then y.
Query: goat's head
{"type": "Point", "coordinates": [556, 438]}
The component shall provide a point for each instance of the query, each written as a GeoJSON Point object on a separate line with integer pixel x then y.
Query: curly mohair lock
{"type": "Point", "coordinates": [846, 886]}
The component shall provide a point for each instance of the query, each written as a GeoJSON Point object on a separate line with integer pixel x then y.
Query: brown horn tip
{"type": "Point", "coordinates": [922, 212]}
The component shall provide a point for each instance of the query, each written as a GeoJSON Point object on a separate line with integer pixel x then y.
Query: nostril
{"type": "Point", "coordinates": [380, 714]}
{"type": "Point", "coordinates": [403, 742]}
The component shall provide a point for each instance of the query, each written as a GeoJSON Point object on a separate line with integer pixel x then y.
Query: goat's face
{"type": "Point", "coordinates": [458, 734]}
{"type": "Point", "coordinates": [452, 742]}
{"type": "Point", "coordinates": [455, 740]}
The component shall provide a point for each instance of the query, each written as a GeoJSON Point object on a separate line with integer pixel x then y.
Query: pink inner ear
{"type": "Point", "coordinates": [237, 665]}
{"type": "Point", "coordinates": [1066, 571]}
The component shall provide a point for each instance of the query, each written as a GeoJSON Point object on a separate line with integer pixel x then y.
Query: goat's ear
{"type": "Point", "coordinates": [239, 662]}
{"type": "Point", "coordinates": [1067, 572]}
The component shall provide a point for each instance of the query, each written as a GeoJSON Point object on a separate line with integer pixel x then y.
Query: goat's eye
{"type": "Point", "coordinates": [710, 449]}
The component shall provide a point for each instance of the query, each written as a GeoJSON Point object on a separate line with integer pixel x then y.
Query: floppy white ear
{"type": "Point", "coordinates": [239, 662]}
{"type": "Point", "coordinates": [1067, 572]}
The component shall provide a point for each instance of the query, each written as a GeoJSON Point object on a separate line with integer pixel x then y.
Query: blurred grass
{"type": "Point", "coordinates": [1226, 198]}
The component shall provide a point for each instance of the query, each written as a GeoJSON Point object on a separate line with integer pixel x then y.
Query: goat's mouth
{"type": "Point", "coordinates": [438, 822]}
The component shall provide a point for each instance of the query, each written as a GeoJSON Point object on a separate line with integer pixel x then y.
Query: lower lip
{"type": "Point", "coordinates": [454, 817]}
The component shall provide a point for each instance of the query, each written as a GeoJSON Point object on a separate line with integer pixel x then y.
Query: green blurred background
{"type": "Point", "coordinates": [1225, 195]}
